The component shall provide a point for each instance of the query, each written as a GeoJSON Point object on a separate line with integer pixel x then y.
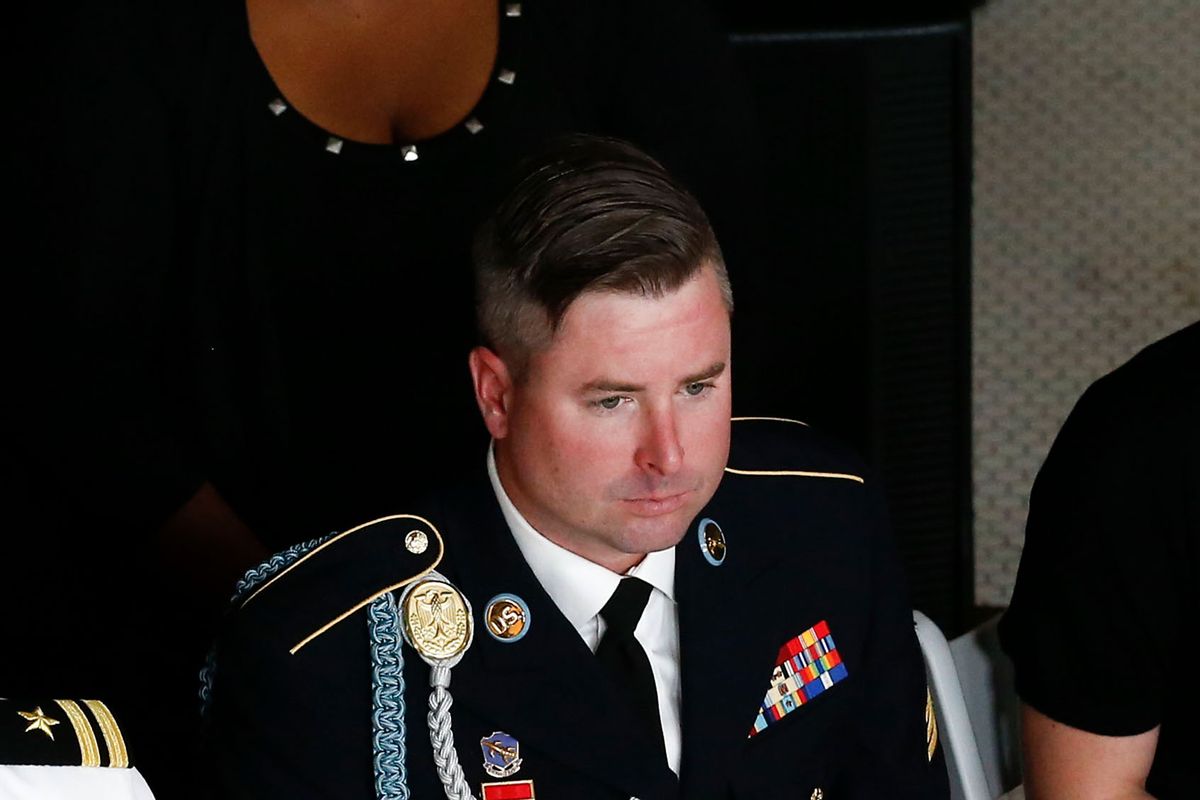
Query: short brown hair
{"type": "Point", "coordinates": [587, 214]}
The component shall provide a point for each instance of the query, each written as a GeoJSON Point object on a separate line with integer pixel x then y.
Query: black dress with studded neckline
{"type": "Point", "coordinates": [306, 299]}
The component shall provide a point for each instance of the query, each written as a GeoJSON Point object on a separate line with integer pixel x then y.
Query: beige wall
{"type": "Point", "coordinates": [1086, 225]}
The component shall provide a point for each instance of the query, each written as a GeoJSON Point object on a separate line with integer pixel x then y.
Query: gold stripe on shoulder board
{"type": "Point", "coordinates": [398, 585]}
{"type": "Point", "coordinates": [343, 535]}
{"type": "Point", "coordinates": [89, 749]}
{"type": "Point", "coordinates": [118, 756]}
{"type": "Point", "coordinates": [793, 473]}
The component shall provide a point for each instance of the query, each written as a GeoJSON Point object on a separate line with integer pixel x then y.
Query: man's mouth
{"type": "Point", "coordinates": [656, 504]}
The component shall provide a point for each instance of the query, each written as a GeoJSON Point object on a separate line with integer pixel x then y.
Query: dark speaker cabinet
{"type": "Point", "coordinates": [861, 293]}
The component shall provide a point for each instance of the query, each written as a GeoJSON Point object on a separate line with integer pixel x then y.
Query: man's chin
{"type": "Point", "coordinates": [660, 532]}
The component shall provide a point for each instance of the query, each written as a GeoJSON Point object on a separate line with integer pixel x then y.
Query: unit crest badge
{"type": "Point", "coordinates": [501, 754]}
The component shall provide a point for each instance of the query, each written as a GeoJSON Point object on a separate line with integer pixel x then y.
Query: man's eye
{"type": "Point", "coordinates": [609, 403]}
{"type": "Point", "coordinates": [696, 388]}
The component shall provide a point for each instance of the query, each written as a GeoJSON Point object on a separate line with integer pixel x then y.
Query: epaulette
{"type": "Point", "coordinates": [60, 733]}
{"type": "Point", "coordinates": [328, 580]}
{"type": "Point", "coordinates": [310, 588]}
{"type": "Point", "coordinates": [775, 447]}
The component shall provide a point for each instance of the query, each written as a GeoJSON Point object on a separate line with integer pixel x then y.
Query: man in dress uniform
{"type": "Point", "coordinates": [629, 596]}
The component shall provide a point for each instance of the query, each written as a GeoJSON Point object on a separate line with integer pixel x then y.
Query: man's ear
{"type": "Point", "coordinates": [493, 389]}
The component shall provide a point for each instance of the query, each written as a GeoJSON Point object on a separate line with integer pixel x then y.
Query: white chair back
{"type": "Point", "coordinates": [968, 779]}
{"type": "Point", "coordinates": [985, 674]}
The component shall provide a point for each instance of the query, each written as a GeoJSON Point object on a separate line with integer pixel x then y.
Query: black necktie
{"type": "Point", "coordinates": [622, 657]}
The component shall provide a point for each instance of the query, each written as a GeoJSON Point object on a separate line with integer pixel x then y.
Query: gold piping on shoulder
{"type": "Point", "coordinates": [768, 419]}
{"type": "Point", "coordinates": [89, 749]}
{"type": "Point", "coordinates": [931, 731]}
{"type": "Point", "coordinates": [118, 756]}
{"type": "Point", "coordinates": [335, 539]}
{"type": "Point", "coordinates": [795, 473]}
{"type": "Point", "coordinates": [441, 552]}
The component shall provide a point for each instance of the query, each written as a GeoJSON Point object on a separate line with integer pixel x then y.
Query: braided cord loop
{"type": "Point", "coordinates": [248, 582]}
{"type": "Point", "coordinates": [387, 707]}
{"type": "Point", "coordinates": [441, 735]}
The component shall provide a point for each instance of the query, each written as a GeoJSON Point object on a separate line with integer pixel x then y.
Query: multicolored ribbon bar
{"type": "Point", "coordinates": [806, 666]}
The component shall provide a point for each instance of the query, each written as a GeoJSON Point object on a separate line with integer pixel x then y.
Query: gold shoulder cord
{"type": "Point", "coordinates": [89, 750]}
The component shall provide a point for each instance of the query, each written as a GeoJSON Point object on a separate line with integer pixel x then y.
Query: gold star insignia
{"type": "Point", "coordinates": [39, 721]}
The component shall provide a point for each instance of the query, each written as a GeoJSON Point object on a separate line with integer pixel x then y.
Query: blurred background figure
{"type": "Point", "coordinates": [1105, 602]}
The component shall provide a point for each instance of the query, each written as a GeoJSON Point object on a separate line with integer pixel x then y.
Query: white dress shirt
{"type": "Point", "coordinates": [72, 783]}
{"type": "Point", "coordinates": [580, 588]}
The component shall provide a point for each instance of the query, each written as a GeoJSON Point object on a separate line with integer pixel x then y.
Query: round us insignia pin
{"type": "Point", "coordinates": [712, 541]}
{"type": "Point", "coordinates": [436, 620]}
{"type": "Point", "coordinates": [501, 754]}
{"type": "Point", "coordinates": [506, 618]}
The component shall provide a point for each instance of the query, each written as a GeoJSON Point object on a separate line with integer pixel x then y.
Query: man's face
{"type": "Point", "coordinates": [618, 432]}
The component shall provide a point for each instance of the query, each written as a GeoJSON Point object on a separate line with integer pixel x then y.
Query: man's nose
{"type": "Point", "coordinates": [660, 450]}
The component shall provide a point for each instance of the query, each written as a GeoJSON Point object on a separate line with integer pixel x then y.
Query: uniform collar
{"type": "Point", "coordinates": [579, 587]}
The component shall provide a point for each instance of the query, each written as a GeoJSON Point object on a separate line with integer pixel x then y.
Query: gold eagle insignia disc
{"type": "Point", "coordinates": [436, 620]}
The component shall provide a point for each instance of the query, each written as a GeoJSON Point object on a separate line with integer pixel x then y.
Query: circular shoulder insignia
{"type": "Point", "coordinates": [416, 542]}
{"type": "Point", "coordinates": [436, 619]}
{"type": "Point", "coordinates": [712, 541]}
{"type": "Point", "coordinates": [506, 618]}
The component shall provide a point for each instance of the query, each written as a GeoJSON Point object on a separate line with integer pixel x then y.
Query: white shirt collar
{"type": "Point", "coordinates": [579, 587]}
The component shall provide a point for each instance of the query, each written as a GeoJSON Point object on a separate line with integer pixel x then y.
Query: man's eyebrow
{"type": "Point", "coordinates": [606, 385]}
{"type": "Point", "coordinates": [712, 372]}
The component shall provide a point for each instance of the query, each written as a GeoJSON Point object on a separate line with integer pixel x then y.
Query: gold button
{"type": "Point", "coordinates": [416, 542]}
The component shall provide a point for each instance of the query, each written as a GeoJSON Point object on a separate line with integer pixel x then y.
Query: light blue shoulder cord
{"type": "Point", "coordinates": [387, 674]}
{"type": "Point", "coordinates": [387, 702]}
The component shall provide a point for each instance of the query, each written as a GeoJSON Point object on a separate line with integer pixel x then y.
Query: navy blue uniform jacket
{"type": "Point", "coordinates": [807, 542]}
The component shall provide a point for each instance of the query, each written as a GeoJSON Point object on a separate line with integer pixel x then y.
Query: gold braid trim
{"type": "Point", "coordinates": [795, 473]}
{"type": "Point", "coordinates": [768, 419]}
{"type": "Point", "coordinates": [334, 539]}
{"type": "Point", "coordinates": [442, 550]}
{"type": "Point", "coordinates": [113, 740]}
{"type": "Point", "coordinates": [89, 749]}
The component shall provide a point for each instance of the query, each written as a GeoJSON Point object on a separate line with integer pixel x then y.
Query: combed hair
{"type": "Point", "coordinates": [588, 214]}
